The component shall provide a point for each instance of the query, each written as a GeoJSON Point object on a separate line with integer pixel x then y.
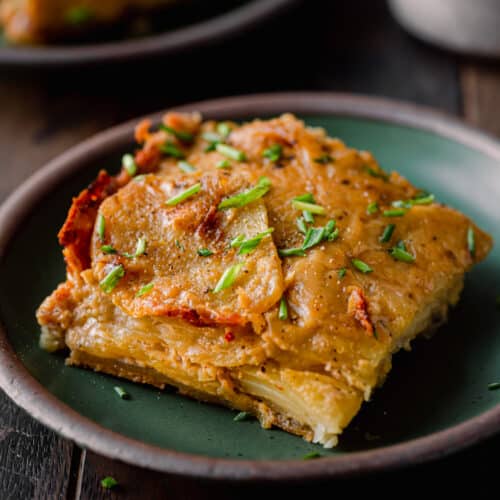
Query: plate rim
{"type": "Point", "coordinates": [28, 393]}
{"type": "Point", "coordinates": [238, 20]}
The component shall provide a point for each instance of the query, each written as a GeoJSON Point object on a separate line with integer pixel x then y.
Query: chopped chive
{"type": "Point", "coordinates": [184, 195]}
{"type": "Point", "coordinates": [145, 289]}
{"type": "Point", "coordinates": [223, 129]}
{"type": "Point", "coordinates": [308, 216]}
{"type": "Point", "coordinates": [228, 278]}
{"type": "Point", "coordinates": [401, 244]}
{"type": "Point", "coordinates": [372, 208]}
{"type": "Point", "coordinates": [129, 165]}
{"type": "Point", "coordinates": [394, 212]}
{"type": "Point", "coordinates": [108, 249]}
{"type": "Point", "coordinates": [400, 253]}
{"type": "Point", "coordinates": [78, 15]}
{"type": "Point", "coordinates": [211, 137]}
{"type": "Point", "coordinates": [291, 252]}
{"type": "Point", "coordinates": [307, 197]}
{"type": "Point", "coordinates": [179, 134]}
{"type": "Point", "coordinates": [375, 334]}
{"type": "Point", "coordinates": [121, 392]}
{"type": "Point", "coordinates": [471, 241]}
{"type": "Point", "coordinates": [333, 235]}
{"type": "Point", "coordinates": [223, 164]}
{"type": "Point", "coordinates": [179, 245]}
{"type": "Point", "coordinates": [186, 167]}
{"type": "Point", "coordinates": [314, 236]}
{"type": "Point", "coordinates": [230, 152]}
{"type": "Point", "coordinates": [246, 197]}
{"type": "Point", "coordinates": [387, 234]}
{"type": "Point", "coordinates": [139, 178]}
{"type": "Point", "coordinates": [109, 482]}
{"type": "Point", "coordinates": [204, 252]}
{"type": "Point", "coordinates": [171, 149]}
{"type": "Point", "coordinates": [242, 415]}
{"type": "Point", "coordinates": [301, 224]}
{"type": "Point", "coordinates": [361, 266]}
{"type": "Point", "coordinates": [376, 173]}
{"type": "Point", "coordinates": [101, 226]}
{"type": "Point", "coordinates": [139, 249]}
{"type": "Point", "coordinates": [311, 455]}
{"type": "Point", "coordinates": [494, 386]}
{"type": "Point", "coordinates": [109, 282]}
{"type": "Point", "coordinates": [341, 272]}
{"type": "Point", "coordinates": [418, 200]}
{"type": "Point", "coordinates": [247, 246]}
{"type": "Point", "coordinates": [283, 310]}
{"type": "Point", "coordinates": [309, 207]}
{"type": "Point", "coordinates": [423, 200]}
{"type": "Point", "coordinates": [273, 153]}
{"type": "Point", "coordinates": [323, 159]}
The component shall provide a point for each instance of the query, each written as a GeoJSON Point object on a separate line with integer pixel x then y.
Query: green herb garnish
{"type": "Point", "coordinates": [341, 272]}
{"type": "Point", "coordinates": [399, 252]}
{"type": "Point", "coordinates": [394, 212]}
{"type": "Point", "coordinates": [323, 159]}
{"type": "Point", "coordinates": [101, 226]}
{"type": "Point", "coordinates": [184, 195]}
{"type": "Point", "coordinates": [247, 246]}
{"type": "Point", "coordinates": [186, 167]}
{"type": "Point", "coordinates": [372, 208]}
{"type": "Point", "coordinates": [109, 482]}
{"type": "Point", "coordinates": [129, 165]}
{"type": "Point", "coordinates": [361, 266]}
{"type": "Point", "coordinates": [311, 455]}
{"type": "Point", "coordinates": [301, 224]}
{"type": "Point", "coordinates": [179, 134]}
{"type": "Point", "coordinates": [145, 289]}
{"type": "Point", "coordinates": [230, 152]}
{"type": "Point", "coordinates": [171, 149]}
{"type": "Point", "coordinates": [273, 153]}
{"type": "Point", "coordinates": [242, 415]}
{"type": "Point", "coordinates": [223, 129]}
{"type": "Point", "coordinates": [246, 197]}
{"type": "Point", "coordinates": [387, 234]}
{"type": "Point", "coordinates": [283, 310]}
{"type": "Point", "coordinates": [291, 252]}
{"type": "Point", "coordinates": [471, 241]}
{"type": "Point", "coordinates": [228, 278]}
{"type": "Point", "coordinates": [223, 164]}
{"type": "Point", "coordinates": [139, 249]}
{"type": "Point", "coordinates": [494, 386]}
{"type": "Point", "coordinates": [377, 173]}
{"type": "Point", "coordinates": [309, 207]}
{"type": "Point", "coordinates": [307, 197]}
{"type": "Point", "coordinates": [308, 216]}
{"type": "Point", "coordinates": [121, 392]}
{"type": "Point", "coordinates": [109, 282]}
{"type": "Point", "coordinates": [204, 252]}
{"type": "Point", "coordinates": [108, 249]}
{"type": "Point", "coordinates": [426, 199]}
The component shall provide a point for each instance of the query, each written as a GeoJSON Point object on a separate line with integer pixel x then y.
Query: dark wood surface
{"type": "Point", "coordinates": [346, 45]}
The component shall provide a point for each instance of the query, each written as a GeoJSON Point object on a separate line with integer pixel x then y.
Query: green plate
{"type": "Point", "coordinates": [436, 398]}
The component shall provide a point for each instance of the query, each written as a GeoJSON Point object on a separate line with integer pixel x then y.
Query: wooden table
{"type": "Point", "coordinates": [348, 45]}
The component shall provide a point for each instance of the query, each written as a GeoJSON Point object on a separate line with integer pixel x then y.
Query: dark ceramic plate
{"type": "Point", "coordinates": [178, 28]}
{"type": "Point", "coordinates": [436, 399]}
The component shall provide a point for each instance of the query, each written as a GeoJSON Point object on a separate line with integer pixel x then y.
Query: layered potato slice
{"type": "Point", "coordinates": [276, 271]}
{"type": "Point", "coordinates": [38, 21]}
